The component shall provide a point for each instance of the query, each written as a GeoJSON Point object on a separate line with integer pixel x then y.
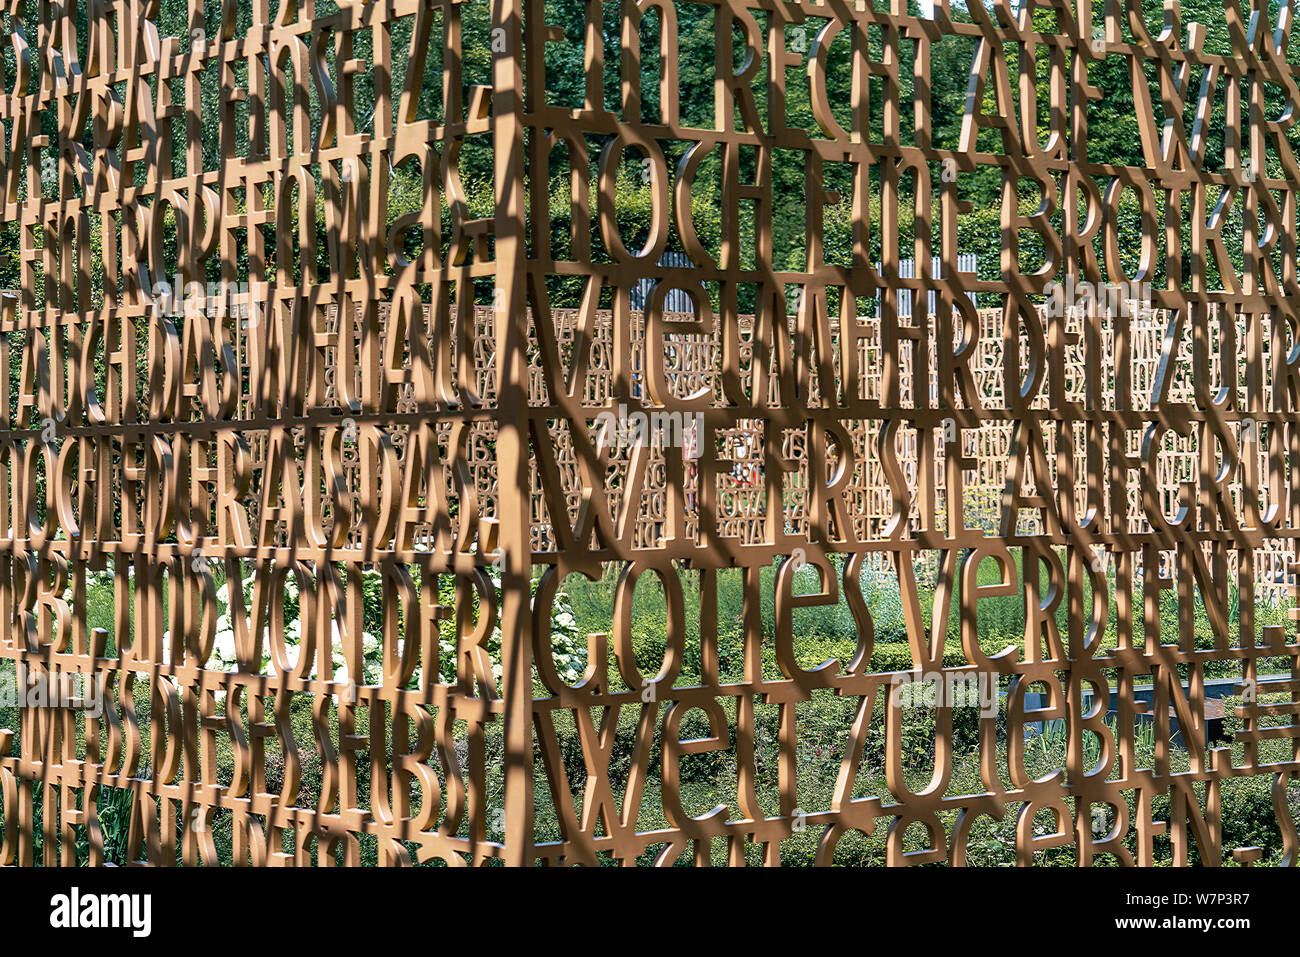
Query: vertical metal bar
{"type": "Point", "coordinates": [512, 425]}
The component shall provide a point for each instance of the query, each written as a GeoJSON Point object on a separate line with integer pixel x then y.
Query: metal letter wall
{"type": "Point", "coordinates": [297, 462]}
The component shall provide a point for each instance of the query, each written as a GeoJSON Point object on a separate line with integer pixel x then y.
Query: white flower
{"type": "Point", "coordinates": [223, 645]}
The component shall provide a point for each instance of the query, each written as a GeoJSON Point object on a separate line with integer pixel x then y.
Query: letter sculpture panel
{"type": "Point", "coordinates": [362, 356]}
